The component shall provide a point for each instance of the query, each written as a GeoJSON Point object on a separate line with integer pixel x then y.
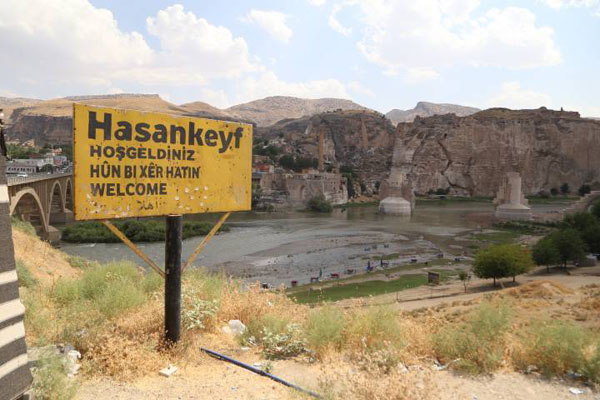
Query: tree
{"type": "Point", "coordinates": [319, 204]}
{"type": "Point", "coordinates": [569, 244]}
{"type": "Point", "coordinates": [287, 161]}
{"type": "Point", "coordinates": [580, 221]}
{"type": "Point", "coordinates": [565, 189]}
{"type": "Point", "coordinates": [591, 237]}
{"type": "Point", "coordinates": [464, 277]}
{"type": "Point", "coordinates": [596, 210]}
{"type": "Point", "coordinates": [584, 189]}
{"type": "Point", "coordinates": [501, 261]}
{"type": "Point", "coordinates": [554, 191]}
{"type": "Point", "coordinates": [545, 253]}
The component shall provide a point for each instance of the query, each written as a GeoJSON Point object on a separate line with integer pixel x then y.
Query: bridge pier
{"type": "Point", "coordinates": [61, 217]}
{"type": "Point", "coordinates": [52, 235]}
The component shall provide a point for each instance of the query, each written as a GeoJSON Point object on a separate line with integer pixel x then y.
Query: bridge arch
{"type": "Point", "coordinates": [68, 199]}
{"type": "Point", "coordinates": [53, 204]}
{"type": "Point", "coordinates": [28, 199]}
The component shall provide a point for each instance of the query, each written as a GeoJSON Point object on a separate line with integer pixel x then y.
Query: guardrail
{"type": "Point", "coordinates": [19, 180]}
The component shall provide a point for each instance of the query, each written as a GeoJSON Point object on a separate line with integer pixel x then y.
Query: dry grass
{"type": "Point", "coordinates": [46, 263]}
{"type": "Point", "coordinates": [540, 290]}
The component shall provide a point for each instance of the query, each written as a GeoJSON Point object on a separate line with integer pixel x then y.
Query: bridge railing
{"type": "Point", "coordinates": [19, 180]}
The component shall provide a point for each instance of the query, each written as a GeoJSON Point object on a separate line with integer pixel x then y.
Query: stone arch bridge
{"type": "Point", "coordinates": [42, 200]}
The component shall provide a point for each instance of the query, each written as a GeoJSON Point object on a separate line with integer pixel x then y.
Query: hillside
{"type": "Point", "coordinates": [425, 109]}
{"type": "Point", "coordinates": [8, 104]}
{"type": "Point", "coordinates": [360, 139]}
{"type": "Point", "coordinates": [470, 155]}
{"type": "Point", "coordinates": [51, 120]}
{"type": "Point", "coordinates": [202, 109]}
{"type": "Point", "coordinates": [269, 110]}
{"type": "Point", "coordinates": [402, 345]}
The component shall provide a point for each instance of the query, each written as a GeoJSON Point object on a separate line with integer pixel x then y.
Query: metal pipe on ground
{"type": "Point", "coordinates": [258, 371]}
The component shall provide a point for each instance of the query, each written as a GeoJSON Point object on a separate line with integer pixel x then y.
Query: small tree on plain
{"type": "Point", "coordinates": [569, 244]}
{"type": "Point", "coordinates": [502, 261]}
{"type": "Point", "coordinates": [565, 189]}
{"type": "Point", "coordinates": [554, 191]}
{"type": "Point", "coordinates": [545, 253]}
{"type": "Point", "coordinates": [464, 277]}
{"type": "Point", "coordinates": [584, 189]}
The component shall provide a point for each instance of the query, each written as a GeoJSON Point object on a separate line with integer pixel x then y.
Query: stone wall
{"type": "Point", "coordinates": [285, 190]}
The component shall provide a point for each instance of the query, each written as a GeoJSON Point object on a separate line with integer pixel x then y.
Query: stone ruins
{"type": "Point", "coordinates": [510, 201]}
{"type": "Point", "coordinates": [397, 193]}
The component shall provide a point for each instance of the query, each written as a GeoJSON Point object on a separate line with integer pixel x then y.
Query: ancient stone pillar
{"type": "Point", "coordinates": [510, 201]}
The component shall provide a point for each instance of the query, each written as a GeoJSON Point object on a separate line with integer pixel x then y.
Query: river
{"type": "Point", "coordinates": [283, 246]}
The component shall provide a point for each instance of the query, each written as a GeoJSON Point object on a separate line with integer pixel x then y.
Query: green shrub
{"type": "Point", "coordinates": [282, 344]}
{"type": "Point", "coordinates": [591, 365]}
{"type": "Point", "coordinates": [210, 286]}
{"type": "Point", "coordinates": [324, 327]}
{"type": "Point", "coordinates": [66, 291]}
{"type": "Point", "coordinates": [144, 230]}
{"type": "Point", "coordinates": [23, 226]}
{"type": "Point", "coordinates": [80, 262]}
{"type": "Point", "coordinates": [319, 204]}
{"type": "Point", "coordinates": [25, 277]}
{"type": "Point", "coordinates": [255, 328]}
{"type": "Point", "coordinates": [110, 289]}
{"type": "Point", "coordinates": [477, 344]}
{"type": "Point", "coordinates": [375, 328]}
{"type": "Point", "coordinates": [50, 381]}
{"type": "Point", "coordinates": [555, 347]}
{"type": "Point", "coordinates": [118, 297]}
{"type": "Point", "coordinates": [152, 282]}
{"type": "Point", "coordinates": [197, 313]}
{"type": "Point", "coordinates": [278, 337]}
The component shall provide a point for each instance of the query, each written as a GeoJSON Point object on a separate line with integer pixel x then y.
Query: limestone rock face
{"type": "Point", "coordinates": [471, 155]}
{"type": "Point", "coordinates": [395, 206]}
{"type": "Point", "coordinates": [360, 140]}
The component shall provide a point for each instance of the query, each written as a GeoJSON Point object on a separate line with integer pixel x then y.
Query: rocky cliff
{"type": "Point", "coordinates": [471, 155]}
{"type": "Point", "coordinates": [360, 140]}
{"type": "Point", "coordinates": [425, 109]}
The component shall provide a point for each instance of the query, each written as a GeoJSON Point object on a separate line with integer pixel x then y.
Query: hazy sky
{"type": "Point", "coordinates": [383, 54]}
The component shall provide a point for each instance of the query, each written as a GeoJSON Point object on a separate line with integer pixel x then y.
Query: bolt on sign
{"type": "Point", "coordinates": [136, 164]}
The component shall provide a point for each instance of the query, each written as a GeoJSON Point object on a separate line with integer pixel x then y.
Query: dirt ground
{"type": "Point", "coordinates": [213, 379]}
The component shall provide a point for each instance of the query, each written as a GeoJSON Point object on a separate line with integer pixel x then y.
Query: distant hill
{"type": "Point", "coordinates": [425, 109]}
{"type": "Point", "coordinates": [51, 120]}
{"type": "Point", "coordinates": [8, 104]}
{"type": "Point", "coordinates": [202, 109]}
{"type": "Point", "coordinates": [269, 110]}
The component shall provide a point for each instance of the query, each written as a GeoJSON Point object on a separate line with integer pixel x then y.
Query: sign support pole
{"type": "Point", "coordinates": [173, 244]}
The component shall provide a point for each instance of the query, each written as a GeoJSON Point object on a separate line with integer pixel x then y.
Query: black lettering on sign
{"type": "Point", "coordinates": [94, 124]}
{"type": "Point", "coordinates": [211, 138]}
{"type": "Point", "coordinates": [159, 133]}
{"type": "Point", "coordinates": [142, 133]}
{"type": "Point", "coordinates": [124, 131]}
{"type": "Point", "coordinates": [129, 189]}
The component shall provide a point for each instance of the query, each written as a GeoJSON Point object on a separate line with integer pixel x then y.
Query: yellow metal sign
{"type": "Point", "coordinates": [135, 164]}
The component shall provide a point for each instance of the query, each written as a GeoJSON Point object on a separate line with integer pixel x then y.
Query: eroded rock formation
{"type": "Point", "coordinates": [471, 155]}
{"type": "Point", "coordinates": [360, 140]}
